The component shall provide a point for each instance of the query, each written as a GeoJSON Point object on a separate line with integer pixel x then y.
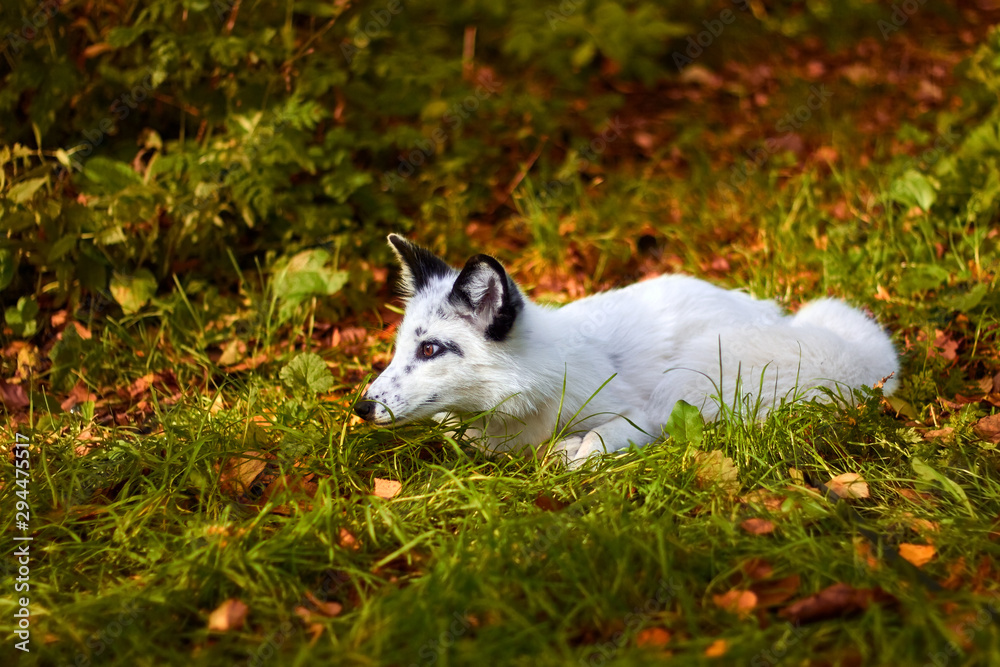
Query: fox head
{"type": "Point", "coordinates": [450, 345]}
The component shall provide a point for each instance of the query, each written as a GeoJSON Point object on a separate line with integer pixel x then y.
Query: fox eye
{"type": "Point", "coordinates": [428, 350]}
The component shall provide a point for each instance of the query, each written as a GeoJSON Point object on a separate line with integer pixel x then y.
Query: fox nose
{"type": "Point", "coordinates": [364, 408]}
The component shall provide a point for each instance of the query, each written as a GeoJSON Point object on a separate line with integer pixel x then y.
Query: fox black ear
{"type": "Point", "coordinates": [419, 265]}
{"type": "Point", "coordinates": [491, 298]}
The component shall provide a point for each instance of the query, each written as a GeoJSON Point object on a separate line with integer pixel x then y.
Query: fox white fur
{"type": "Point", "coordinates": [606, 370]}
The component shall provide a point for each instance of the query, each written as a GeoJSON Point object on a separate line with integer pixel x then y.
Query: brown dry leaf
{"type": "Point", "coordinates": [778, 591]}
{"type": "Point", "coordinates": [918, 554]}
{"type": "Point", "coordinates": [946, 433]}
{"type": "Point", "coordinates": [290, 485]}
{"type": "Point", "coordinates": [864, 550]}
{"type": "Point", "coordinates": [915, 496]}
{"type": "Point", "coordinates": [306, 614]}
{"type": "Point", "coordinates": [920, 525]}
{"type": "Point", "coordinates": [247, 364]}
{"type": "Point", "coordinates": [232, 353]}
{"type": "Point", "coordinates": [347, 540]}
{"type": "Point", "coordinates": [230, 615]}
{"type": "Point", "coordinates": [328, 609]}
{"type": "Point", "coordinates": [717, 648]}
{"type": "Point", "coordinates": [756, 569]}
{"type": "Point", "coordinates": [765, 499]}
{"type": "Point", "coordinates": [80, 393]}
{"type": "Point", "coordinates": [944, 346]}
{"type": "Point", "coordinates": [141, 385]}
{"type": "Point", "coordinates": [988, 428]}
{"type": "Point", "coordinates": [714, 468]}
{"type": "Point", "coordinates": [849, 485]}
{"type": "Point", "coordinates": [736, 602]}
{"type": "Point", "coordinates": [549, 503]}
{"type": "Point", "coordinates": [652, 637]}
{"type": "Point", "coordinates": [387, 488]}
{"type": "Point", "coordinates": [238, 474]}
{"type": "Point", "coordinates": [28, 362]}
{"type": "Point", "coordinates": [833, 601]}
{"type": "Point", "coordinates": [757, 526]}
{"type": "Point", "coordinates": [956, 575]}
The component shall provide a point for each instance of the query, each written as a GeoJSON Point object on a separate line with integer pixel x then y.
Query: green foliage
{"type": "Point", "coordinates": [306, 376]}
{"type": "Point", "coordinates": [686, 425]}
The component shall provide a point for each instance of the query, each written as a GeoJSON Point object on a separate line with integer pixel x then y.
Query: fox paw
{"type": "Point", "coordinates": [592, 445]}
{"type": "Point", "coordinates": [567, 447]}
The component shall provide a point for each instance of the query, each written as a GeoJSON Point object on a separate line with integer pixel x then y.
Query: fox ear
{"type": "Point", "coordinates": [492, 299]}
{"type": "Point", "coordinates": [419, 265]}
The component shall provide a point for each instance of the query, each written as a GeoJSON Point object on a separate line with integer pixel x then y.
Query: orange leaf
{"type": "Point", "coordinates": [347, 540]}
{"type": "Point", "coordinates": [230, 615]}
{"type": "Point", "coordinates": [849, 485]}
{"type": "Point", "coordinates": [654, 637]}
{"type": "Point", "coordinates": [717, 648]}
{"type": "Point", "coordinates": [329, 609]}
{"type": "Point", "coordinates": [387, 488]}
{"type": "Point", "coordinates": [758, 526]}
{"type": "Point", "coordinates": [736, 602]}
{"type": "Point", "coordinates": [918, 554]}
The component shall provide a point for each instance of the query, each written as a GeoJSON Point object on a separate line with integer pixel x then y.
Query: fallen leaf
{"type": "Point", "coordinates": [714, 468]}
{"type": "Point", "coordinates": [652, 637]}
{"type": "Point", "coordinates": [849, 485]}
{"type": "Point", "coordinates": [757, 526]}
{"type": "Point", "coordinates": [307, 616]}
{"type": "Point", "coordinates": [347, 540]}
{"type": "Point", "coordinates": [831, 602]}
{"type": "Point", "coordinates": [238, 474]}
{"type": "Point", "coordinates": [736, 602]}
{"type": "Point", "coordinates": [756, 569]}
{"type": "Point", "coordinates": [918, 554]}
{"type": "Point", "coordinates": [988, 428]}
{"type": "Point", "coordinates": [717, 648]}
{"type": "Point", "coordinates": [956, 575]}
{"type": "Point", "coordinates": [387, 488]}
{"type": "Point", "coordinates": [230, 615]}
{"type": "Point", "coordinates": [549, 503]}
{"type": "Point", "coordinates": [328, 609]}
{"type": "Point", "coordinates": [946, 433]}
{"type": "Point", "coordinates": [944, 346]}
{"type": "Point", "coordinates": [864, 550]}
{"type": "Point", "coordinates": [777, 591]}
{"type": "Point", "coordinates": [765, 499]}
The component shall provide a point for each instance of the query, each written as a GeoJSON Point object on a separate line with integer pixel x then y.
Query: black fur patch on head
{"type": "Point", "coordinates": [489, 294]}
{"type": "Point", "coordinates": [419, 265]}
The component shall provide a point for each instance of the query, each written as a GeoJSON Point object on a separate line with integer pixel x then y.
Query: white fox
{"type": "Point", "coordinates": [606, 370]}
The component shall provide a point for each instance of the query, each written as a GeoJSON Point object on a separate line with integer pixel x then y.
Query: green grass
{"type": "Point", "coordinates": [145, 521]}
